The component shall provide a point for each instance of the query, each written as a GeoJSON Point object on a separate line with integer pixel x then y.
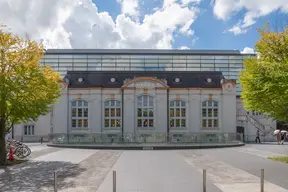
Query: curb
{"type": "Point", "coordinates": [145, 147]}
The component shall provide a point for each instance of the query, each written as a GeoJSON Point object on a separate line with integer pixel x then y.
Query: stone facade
{"type": "Point", "coordinates": [168, 109]}
{"type": "Point", "coordinates": [60, 119]}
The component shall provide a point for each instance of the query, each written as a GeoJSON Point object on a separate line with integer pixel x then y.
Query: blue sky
{"type": "Point", "coordinates": [209, 30]}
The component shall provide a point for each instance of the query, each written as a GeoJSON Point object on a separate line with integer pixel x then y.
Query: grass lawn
{"type": "Point", "coordinates": [283, 159]}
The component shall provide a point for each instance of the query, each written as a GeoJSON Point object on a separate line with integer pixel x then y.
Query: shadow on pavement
{"type": "Point", "coordinates": [38, 176]}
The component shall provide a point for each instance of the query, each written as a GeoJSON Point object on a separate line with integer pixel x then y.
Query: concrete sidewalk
{"type": "Point", "coordinates": [154, 171]}
{"type": "Point", "coordinates": [228, 170]}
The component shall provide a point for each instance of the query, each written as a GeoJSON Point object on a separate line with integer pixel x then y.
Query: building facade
{"type": "Point", "coordinates": [141, 103]}
{"type": "Point", "coordinates": [135, 91]}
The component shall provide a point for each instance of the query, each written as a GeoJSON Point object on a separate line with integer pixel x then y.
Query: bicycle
{"type": "Point", "coordinates": [22, 151]}
{"type": "Point", "coordinates": [19, 149]}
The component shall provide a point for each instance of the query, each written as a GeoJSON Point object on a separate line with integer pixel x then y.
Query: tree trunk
{"type": "Point", "coordinates": [2, 142]}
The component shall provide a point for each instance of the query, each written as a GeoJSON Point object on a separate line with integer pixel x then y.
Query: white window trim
{"type": "Point", "coordinates": [180, 118]}
{"type": "Point", "coordinates": [30, 127]}
{"type": "Point", "coordinates": [145, 107]}
{"type": "Point", "coordinates": [77, 117]}
{"type": "Point", "coordinates": [208, 118]}
{"type": "Point", "coordinates": [115, 117]}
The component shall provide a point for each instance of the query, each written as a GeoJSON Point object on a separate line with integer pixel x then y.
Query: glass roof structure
{"type": "Point", "coordinates": [229, 62]}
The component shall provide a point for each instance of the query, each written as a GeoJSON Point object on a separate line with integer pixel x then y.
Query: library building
{"type": "Point", "coordinates": [146, 92]}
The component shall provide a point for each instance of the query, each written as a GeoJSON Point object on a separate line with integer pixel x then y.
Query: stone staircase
{"type": "Point", "coordinates": [265, 129]}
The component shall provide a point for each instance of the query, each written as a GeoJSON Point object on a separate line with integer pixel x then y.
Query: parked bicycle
{"type": "Point", "coordinates": [19, 149]}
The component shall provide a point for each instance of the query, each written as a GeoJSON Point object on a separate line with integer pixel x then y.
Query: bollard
{"type": "Point", "coordinates": [114, 181]}
{"type": "Point", "coordinates": [204, 180]}
{"type": "Point", "coordinates": [262, 180]}
{"type": "Point", "coordinates": [55, 181]}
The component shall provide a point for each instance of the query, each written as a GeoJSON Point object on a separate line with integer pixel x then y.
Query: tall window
{"type": "Point", "coordinates": [177, 114]}
{"type": "Point", "coordinates": [210, 114]}
{"type": "Point", "coordinates": [28, 130]}
{"type": "Point", "coordinates": [112, 115]}
{"type": "Point", "coordinates": [79, 114]}
{"type": "Point", "coordinates": [145, 111]}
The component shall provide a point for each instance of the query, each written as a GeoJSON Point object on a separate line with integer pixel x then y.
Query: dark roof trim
{"type": "Point", "coordinates": [147, 72]}
{"type": "Point", "coordinates": [143, 51]}
{"type": "Point", "coordinates": [90, 79]}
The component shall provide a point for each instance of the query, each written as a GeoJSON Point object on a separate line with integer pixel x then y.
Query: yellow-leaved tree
{"type": "Point", "coordinates": [265, 80]}
{"type": "Point", "coordinates": [27, 89]}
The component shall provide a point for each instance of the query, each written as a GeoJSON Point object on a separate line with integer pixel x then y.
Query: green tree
{"type": "Point", "coordinates": [264, 80]}
{"type": "Point", "coordinates": [27, 89]}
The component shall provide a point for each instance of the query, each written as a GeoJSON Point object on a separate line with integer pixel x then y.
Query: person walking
{"type": "Point", "coordinates": [283, 135]}
{"type": "Point", "coordinates": [278, 137]}
{"type": "Point", "coordinates": [257, 136]}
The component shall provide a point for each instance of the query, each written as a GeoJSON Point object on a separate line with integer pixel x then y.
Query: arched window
{"type": "Point", "coordinates": [79, 114]}
{"type": "Point", "coordinates": [177, 114]}
{"type": "Point", "coordinates": [145, 111]}
{"type": "Point", "coordinates": [112, 115]}
{"type": "Point", "coordinates": [210, 114]}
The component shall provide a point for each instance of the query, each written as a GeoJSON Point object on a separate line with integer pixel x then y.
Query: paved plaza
{"type": "Point", "coordinates": [228, 170]}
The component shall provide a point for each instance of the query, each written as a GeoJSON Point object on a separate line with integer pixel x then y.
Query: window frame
{"type": "Point", "coordinates": [30, 130]}
{"type": "Point", "coordinates": [109, 117]}
{"type": "Point", "coordinates": [144, 108]}
{"type": "Point", "coordinates": [83, 106]}
{"type": "Point", "coordinates": [212, 118]}
{"type": "Point", "coordinates": [174, 117]}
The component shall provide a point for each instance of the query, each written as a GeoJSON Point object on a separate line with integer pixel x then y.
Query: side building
{"type": "Point", "coordinates": [105, 72]}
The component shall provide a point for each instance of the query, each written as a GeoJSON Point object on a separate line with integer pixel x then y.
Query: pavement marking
{"type": "Point", "coordinates": [226, 177]}
{"type": "Point", "coordinates": [256, 152]}
{"type": "Point", "coordinates": [67, 155]}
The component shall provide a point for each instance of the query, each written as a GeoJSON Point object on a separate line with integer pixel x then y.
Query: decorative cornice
{"type": "Point", "coordinates": [153, 79]}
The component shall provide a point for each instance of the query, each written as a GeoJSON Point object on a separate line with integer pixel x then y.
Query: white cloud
{"type": "Point", "coordinates": [167, 3]}
{"type": "Point", "coordinates": [224, 9]}
{"type": "Point", "coordinates": [194, 40]}
{"type": "Point", "coordinates": [248, 50]}
{"type": "Point", "coordinates": [155, 8]}
{"type": "Point", "coordinates": [237, 29]}
{"type": "Point", "coordinates": [79, 24]}
{"type": "Point", "coordinates": [186, 2]}
{"type": "Point", "coordinates": [184, 48]}
{"type": "Point", "coordinates": [129, 7]}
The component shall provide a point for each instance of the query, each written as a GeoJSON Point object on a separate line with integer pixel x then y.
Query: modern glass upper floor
{"type": "Point", "coordinates": [230, 62]}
